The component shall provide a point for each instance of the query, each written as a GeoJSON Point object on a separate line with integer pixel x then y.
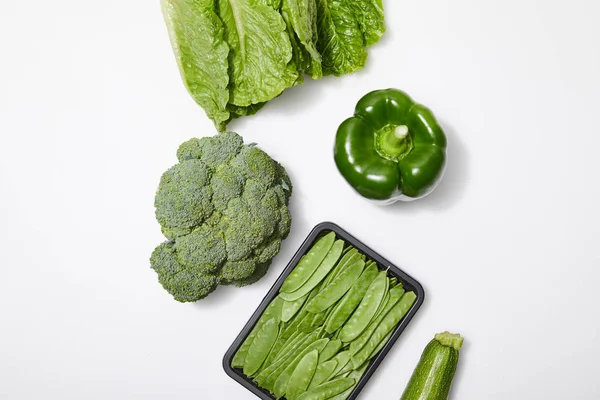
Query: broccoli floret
{"type": "Point", "coordinates": [259, 271]}
{"type": "Point", "coordinates": [203, 249]}
{"type": "Point", "coordinates": [224, 209]}
{"type": "Point", "coordinates": [227, 184]}
{"type": "Point", "coordinates": [183, 284]}
{"type": "Point", "coordinates": [183, 199]}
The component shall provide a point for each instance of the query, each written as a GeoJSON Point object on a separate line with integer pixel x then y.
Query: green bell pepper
{"type": "Point", "coordinates": [391, 149]}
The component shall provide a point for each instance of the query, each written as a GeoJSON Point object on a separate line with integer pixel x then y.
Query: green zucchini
{"type": "Point", "coordinates": [433, 375]}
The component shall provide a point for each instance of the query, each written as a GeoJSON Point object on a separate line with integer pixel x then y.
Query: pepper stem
{"type": "Point", "coordinates": [400, 132]}
{"type": "Point", "coordinates": [394, 141]}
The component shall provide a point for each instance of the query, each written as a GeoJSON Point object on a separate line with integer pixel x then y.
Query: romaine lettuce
{"type": "Point", "coordinates": [235, 55]}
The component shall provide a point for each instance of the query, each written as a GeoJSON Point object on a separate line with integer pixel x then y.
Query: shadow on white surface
{"type": "Point", "coordinates": [291, 102]}
{"type": "Point", "coordinates": [216, 298]}
{"type": "Point", "coordinates": [297, 99]}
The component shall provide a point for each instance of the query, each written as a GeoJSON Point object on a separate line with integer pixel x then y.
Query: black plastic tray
{"type": "Point", "coordinates": [319, 230]}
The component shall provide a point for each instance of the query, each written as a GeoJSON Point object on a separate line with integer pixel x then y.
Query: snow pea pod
{"type": "Point", "coordinates": [323, 372]}
{"type": "Point", "coordinates": [366, 309]}
{"type": "Point", "coordinates": [394, 297]}
{"type": "Point", "coordinates": [283, 378]}
{"type": "Point", "coordinates": [282, 347]}
{"type": "Point", "coordinates": [273, 310]}
{"type": "Point", "coordinates": [332, 348]}
{"type": "Point", "coordinates": [322, 270]}
{"type": "Point", "coordinates": [290, 308]}
{"type": "Point", "coordinates": [387, 324]}
{"type": "Point", "coordinates": [342, 358]}
{"type": "Point", "coordinates": [382, 344]}
{"type": "Point", "coordinates": [328, 390]}
{"type": "Point", "coordinates": [356, 375]}
{"type": "Point", "coordinates": [319, 318]}
{"type": "Point", "coordinates": [264, 377]}
{"type": "Point", "coordinates": [302, 375]}
{"type": "Point", "coordinates": [308, 264]}
{"type": "Point", "coordinates": [384, 302]}
{"type": "Point", "coordinates": [307, 323]}
{"type": "Point", "coordinates": [262, 344]}
{"type": "Point", "coordinates": [348, 258]}
{"type": "Point", "coordinates": [337, 288]}
{"type": "Point", "coordinates": [342, 311]}
{"type": "Point", "coordinates": [344, 371]}
{"type": "Point", "coordinates": [279, 343]}
{"type": "Point", "coordinates": [298, 319]}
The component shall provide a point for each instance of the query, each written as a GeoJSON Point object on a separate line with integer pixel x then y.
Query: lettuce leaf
{"type": "Point", "coordinates": [196, 35]}
{"type": "Point", "coordinates": [340, 39]}
{"type": "Point", "coordinates": [240, 111]}
{"type": "Point", "coordinates": [260, 51]}
{"type": "Point", "coordinates": [301, 15]}
{"type": "Point", "coordinates": [300, 57]}
{"type": "Point", "coordinates": [235, 55]}
{"type": "Point", "coordinates": [369, 14]}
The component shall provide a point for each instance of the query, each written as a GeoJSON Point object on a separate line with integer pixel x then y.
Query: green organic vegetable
{"type": "Point", "coordinates": [297, 320]}
{"type": "Point", "coordinates": [433, 375]}
{"type": "Point", "coordinates": [283, 379]}
{"type": "Point", "coordinates": [328, 390]}
{"type": "Point", "coordinates": [349, 256]}
{"type": "Point", "coordinates": [344, 370]}
{"type": "Point", "coordinates": [394, 297]}
{"type": "Point", "coordinates": [346, 313]}
{"type": "Point", "coordinates": [224, 209]}
{"type": "Point", "coordinates": [289, 343]}
{"type": "Point", "coordinates": [235, 55]}
{"type": "Point", "coordinates": [332, 348]}
{"type": "Point", "coordinates": [337, 288]}
{"type": "Point", "coordinates": [308, 264]}
{"type": "Point", "coordinates": [391, 149]}
{"type": "Point", "coordinates": [340, 41]}
{"type": "Point", "coordinates": [382, 344]}
{"type": "Point", "coordinates": [273, 310]}
{"type": "Point", "coordinates": [290, 308]}
{"type": "Point", "coordinates": [269, 373]}
{"type": "Point", "coordinates": [301, 16]}
{"type": "Point", "coordinates": [321, 272]}
{"type": "Point", "coordinates": [202, 60]}
{"type": "Point", "coordinates": [323, 372]}
{"type": "Point", "coordinates": [307, 323]}
{"type": "Point", "coordinates": [342, 358]}
{"type": "Point", "coordinates": [302, 375]}
{"type": "Point", "coordinates": [351, 299]}
{"type": "Point", "coordinates": [258, 351]}
{"type": "Point", "coordinates": [366, 309]}
{"type": "Point", "coordinates": [288, 362]}
{"type": "Point", "coordinates": [282, 345]}
{"type": "Point", "coordinates": [384, 302]}
{"type": "Point", "coordinates": [356, 375]}
{"type": "Point", "coordinates": [319, 318]}
{"type": "Point", "coordinates": [387, 324]}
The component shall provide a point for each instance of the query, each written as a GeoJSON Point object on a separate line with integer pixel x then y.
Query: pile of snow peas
{"type": "Point", "coordinates": [334, 313]}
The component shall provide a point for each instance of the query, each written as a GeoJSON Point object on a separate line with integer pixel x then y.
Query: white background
{"type": "Point", "coordinates": [92, 110]}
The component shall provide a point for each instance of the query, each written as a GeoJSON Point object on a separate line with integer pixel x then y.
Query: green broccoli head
{"type": "Point", "coordinates": [224, 210]}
